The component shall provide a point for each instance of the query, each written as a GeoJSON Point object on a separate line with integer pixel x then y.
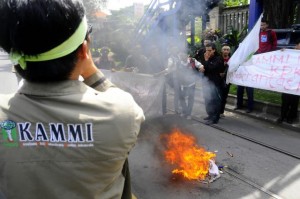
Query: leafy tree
{"type": "Point", "coordinates": [234, 37]}
{"type": "Point", "coordinates": [117, 31]}
{"type": "Point", "coordinates": [92, 6]}
{"type": "Point", "coordinates": [231, 3]}
{"type": "Point", "coordinates": [281, 13]}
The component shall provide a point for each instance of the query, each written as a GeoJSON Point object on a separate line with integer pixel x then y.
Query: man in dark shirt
{"type": "Point", "coordinates": [212, 66]}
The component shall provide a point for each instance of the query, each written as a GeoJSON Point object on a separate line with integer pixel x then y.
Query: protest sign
{"type": "Point", "coordinates": [276, 71]}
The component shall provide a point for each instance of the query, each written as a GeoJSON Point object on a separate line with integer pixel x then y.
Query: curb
{"type": "Point", "coordinates": [265, 111]}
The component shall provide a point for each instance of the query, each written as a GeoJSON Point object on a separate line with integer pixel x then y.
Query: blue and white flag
{"type": "Point", "coordinates": [246, 49]}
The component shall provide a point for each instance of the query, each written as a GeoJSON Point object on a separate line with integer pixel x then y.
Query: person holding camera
{"type": "Point", "coordinates": [62, 138]}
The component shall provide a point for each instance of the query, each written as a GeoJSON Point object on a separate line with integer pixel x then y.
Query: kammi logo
{"type": "Point", "coordinates": [9, 133]}
{"type": "Point", "coordinates": [51, 134]}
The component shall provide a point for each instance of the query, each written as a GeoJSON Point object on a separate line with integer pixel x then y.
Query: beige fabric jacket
{"type": "Point", "coordinates": [66, 140]}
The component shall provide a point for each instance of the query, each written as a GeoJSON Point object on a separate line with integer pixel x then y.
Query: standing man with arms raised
{"type": "Point", "coordinates": [61, 138]}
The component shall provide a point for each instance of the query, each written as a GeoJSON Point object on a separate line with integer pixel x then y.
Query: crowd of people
{"type": "Point", "coordinates": [182, 71]}
{"type": "Point", "coordinates": [208, 66]}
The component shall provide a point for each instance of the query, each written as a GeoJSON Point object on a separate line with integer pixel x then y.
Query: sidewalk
{"type": "Point", "coordinates": [263, 111]}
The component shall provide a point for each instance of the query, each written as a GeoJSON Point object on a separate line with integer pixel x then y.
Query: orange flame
{"type": "Point", "coordinates": [191, 161]}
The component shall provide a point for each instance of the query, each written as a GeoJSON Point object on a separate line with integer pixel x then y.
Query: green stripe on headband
{"type": "Point", "coordinates": [67, 47]}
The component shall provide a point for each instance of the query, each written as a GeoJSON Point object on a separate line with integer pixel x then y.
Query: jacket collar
{"type": "Point", "coordinates": [53, 89]}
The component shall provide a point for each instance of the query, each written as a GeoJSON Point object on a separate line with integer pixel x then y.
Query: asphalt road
{"type": "Point", "coordinates": [262, 172]}
{"type": "Point", "coordinates": [253, 171]}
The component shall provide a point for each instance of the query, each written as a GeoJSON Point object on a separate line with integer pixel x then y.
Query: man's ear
{"type": "Point", "coordinates": [83, 52]}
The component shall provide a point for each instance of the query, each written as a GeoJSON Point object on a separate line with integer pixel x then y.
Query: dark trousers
{"type": "Point", "coordinates": [212, 99]}
{"type": "Point", "coordinates": [127, 184]}
{"type": "Point", "coordinates": [187, 105]}
{"type": "Point", "coordinates": [225, 91]}
{"type": "Point", "coordinates": [240, 94]}
{"type": "Point", "coordinates": [289, 106]}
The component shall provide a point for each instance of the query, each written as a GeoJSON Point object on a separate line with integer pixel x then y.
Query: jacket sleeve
{"type": "Point", "coordinates": [98, 82]}
{"type": "Point", "coordinates": [212, 65]}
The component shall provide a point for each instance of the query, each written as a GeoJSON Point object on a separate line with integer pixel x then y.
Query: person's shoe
{"type": "Point", "coordinates": [248, 111]}
{"type": "Point", "coordinates": [290, 121]}
{"type": "Point", "coordinates": [207, 118]}
{"type": "Point", "coordinates": [237, 108]}
{"type": "Point", "coordinates": [222, 116]}
{"type": "Point", "coordinates": [209, 122]}
{"type": "Point", "coordinates": [279, 120]}
{"type": "Point", "coordinates": [215, 121]}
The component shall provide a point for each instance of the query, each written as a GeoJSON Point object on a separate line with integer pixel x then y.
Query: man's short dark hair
{"type": "Point", "coordinates": [212, 45]}
{"type": "Point", "coordinates": [35, 27]}
{"type": "Point", "coordinates": [264, 20]}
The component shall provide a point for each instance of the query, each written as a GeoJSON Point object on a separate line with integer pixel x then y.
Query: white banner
{"type": "Point", "coordinates": [276, 71]}
{"type": "Point", "coordinates": [145, 89]}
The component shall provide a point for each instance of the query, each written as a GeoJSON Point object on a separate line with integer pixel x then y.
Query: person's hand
{"type": "Point", "coordinates": [222, 74]}
{"type": "Point", "coordinates": [206, 56]}
{"type": "Point", "coordinates": [89, 69]}
{"type": "Point", "coordinates": [202, 69]}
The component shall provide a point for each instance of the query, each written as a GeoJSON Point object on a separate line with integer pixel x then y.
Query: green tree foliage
{"type": "Point", "coordinates": [281, 13]}
{"type": "Point", "coordinates": [121, 25]}
{"type": "Point", "coordinates": [234, 37]}
{"type": "Point", "coordinates": [232, 3]}
{"type": "Point", "coordinates": [92, 6]}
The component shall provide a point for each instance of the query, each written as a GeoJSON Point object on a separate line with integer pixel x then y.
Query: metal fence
{"type": "Point", "coordinates": [236, 17]}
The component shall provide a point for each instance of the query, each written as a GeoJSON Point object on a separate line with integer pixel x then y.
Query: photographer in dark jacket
{"type": "Point", "coordinates": [212, 66]}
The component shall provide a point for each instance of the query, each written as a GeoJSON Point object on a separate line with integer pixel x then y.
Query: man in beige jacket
{"type": "Point", "coordinates": [60, 137]}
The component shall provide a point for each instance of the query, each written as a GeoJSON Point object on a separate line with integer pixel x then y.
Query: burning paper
{"type": "Point", "coordinates": [190, 160]}
{"type": "Point", "coordinates": [214, 172]}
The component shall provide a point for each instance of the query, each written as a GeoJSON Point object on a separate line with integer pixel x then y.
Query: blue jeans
{"type": "Point", "coordinates": [189, 92]}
